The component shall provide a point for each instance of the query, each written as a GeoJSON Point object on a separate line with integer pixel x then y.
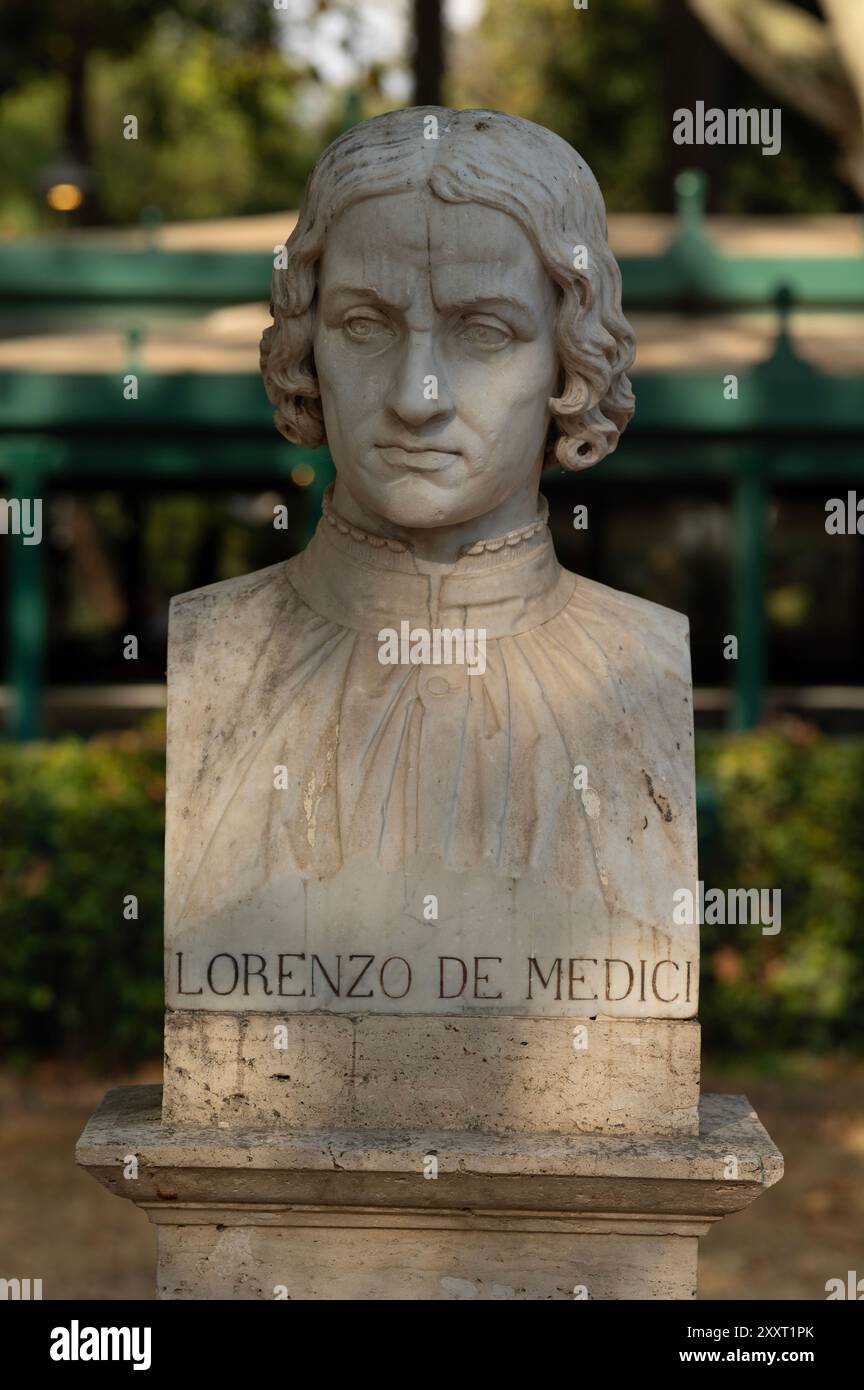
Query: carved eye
{"type": "Point", "coordinates": [366, 328]}
{"type": "Point", "coordinates": [480, 334]}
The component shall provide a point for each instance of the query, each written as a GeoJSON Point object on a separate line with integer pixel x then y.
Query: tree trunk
{"type": "Point", "coordinates": [428, 55]}
{"type": "Point", "coordinates": [76, 133]}
{"type": "Point", "coordinates": [694, 68]}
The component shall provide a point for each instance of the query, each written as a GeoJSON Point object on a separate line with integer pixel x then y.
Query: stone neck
{"type": "Point", "coordinates": [508, 541]}
{"type": "Point", "coordinates": [504, 585]}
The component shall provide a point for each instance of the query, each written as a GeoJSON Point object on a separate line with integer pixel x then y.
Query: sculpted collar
{"type": "Point", "coordinates": [505, 586]}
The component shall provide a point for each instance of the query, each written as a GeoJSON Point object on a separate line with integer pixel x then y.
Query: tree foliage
{"type": "Point", "coordinates": [214, 98]}
{"type": "Point", "coordinates": [608, 79]}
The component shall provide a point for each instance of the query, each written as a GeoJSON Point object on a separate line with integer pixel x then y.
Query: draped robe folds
{"type": "Point", "coordinates": [324, 805]}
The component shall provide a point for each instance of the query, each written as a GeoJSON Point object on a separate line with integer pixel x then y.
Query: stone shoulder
{"type": "Point", "coordinates": [645, 618]}
{"type": "Point", "coordinates": [226, 593]}
{"type": "Point", "coordinates": [221, 621]}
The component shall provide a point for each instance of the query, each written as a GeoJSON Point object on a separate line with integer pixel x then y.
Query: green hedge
{"type": "Point", "coordinates": [81, 829]}
{"type": "Point", "coordinates": [81, 826]}
{"type": "Point", "coordinates": [784, 809]}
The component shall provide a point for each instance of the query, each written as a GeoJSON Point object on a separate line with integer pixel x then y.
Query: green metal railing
{"type": "Point", "coordinates": [690, 272]}
{"type": "Point", "coordinates": [201, 426]}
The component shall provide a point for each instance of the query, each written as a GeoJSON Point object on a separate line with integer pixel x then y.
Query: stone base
{"type": "Point", "coordinates": [254, 1214]}
{"type": "Point", "coordinates": [428, 1072]}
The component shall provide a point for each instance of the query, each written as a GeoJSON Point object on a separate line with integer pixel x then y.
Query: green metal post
{"type": "Point", "coordinates": [749, 509]}
{"type": "Point", "coordinates": [352, 112]}
{"type": "Point", "coordinates": [691, 192]}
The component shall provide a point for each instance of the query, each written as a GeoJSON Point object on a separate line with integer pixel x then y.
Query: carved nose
{"type": "Point", "coordinates": [419, 391]}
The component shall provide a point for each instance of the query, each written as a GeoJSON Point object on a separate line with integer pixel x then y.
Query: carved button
{"type": "Point", "coordinates": [443, 694]}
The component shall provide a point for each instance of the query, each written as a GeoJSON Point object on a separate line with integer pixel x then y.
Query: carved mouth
{"type": "Point", "coordinates": [416, 458]}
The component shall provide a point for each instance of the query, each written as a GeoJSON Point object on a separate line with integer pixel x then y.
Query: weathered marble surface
{"type": "Point", "coordinates": [258, 1214]}
{"type": "Point", "coordinates": [130, 1119]}
{"type": "Point", "coordinates": [551, 898]}
{"type": "Point", "coordinates": [428, 1262]}
{"type": "Point", "coordinates": [496, 836]}
{"type": "Point", "coordinates": [374, 1071]}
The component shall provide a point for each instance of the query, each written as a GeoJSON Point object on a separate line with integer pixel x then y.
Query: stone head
{"type": "Point", "coordinates": [448, 315]}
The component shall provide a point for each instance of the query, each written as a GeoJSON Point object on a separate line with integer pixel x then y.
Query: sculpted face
{"type": "Point", "coordinates": [435, 351]}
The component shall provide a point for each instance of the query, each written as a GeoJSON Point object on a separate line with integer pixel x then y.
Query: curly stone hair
{"type": "Point", "coordinates": [502, 162]}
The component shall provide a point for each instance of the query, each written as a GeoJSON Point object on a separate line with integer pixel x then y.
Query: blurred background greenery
{"type": "Point", "coordinates": [237, 100]}
{"type": "Point", "coordinates": [151, 255]}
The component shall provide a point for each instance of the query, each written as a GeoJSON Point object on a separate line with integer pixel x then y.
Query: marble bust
{"type": "Point", "coordinates": [420, 767]}
{"type": "Point", "coordinates": [430, 796]}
